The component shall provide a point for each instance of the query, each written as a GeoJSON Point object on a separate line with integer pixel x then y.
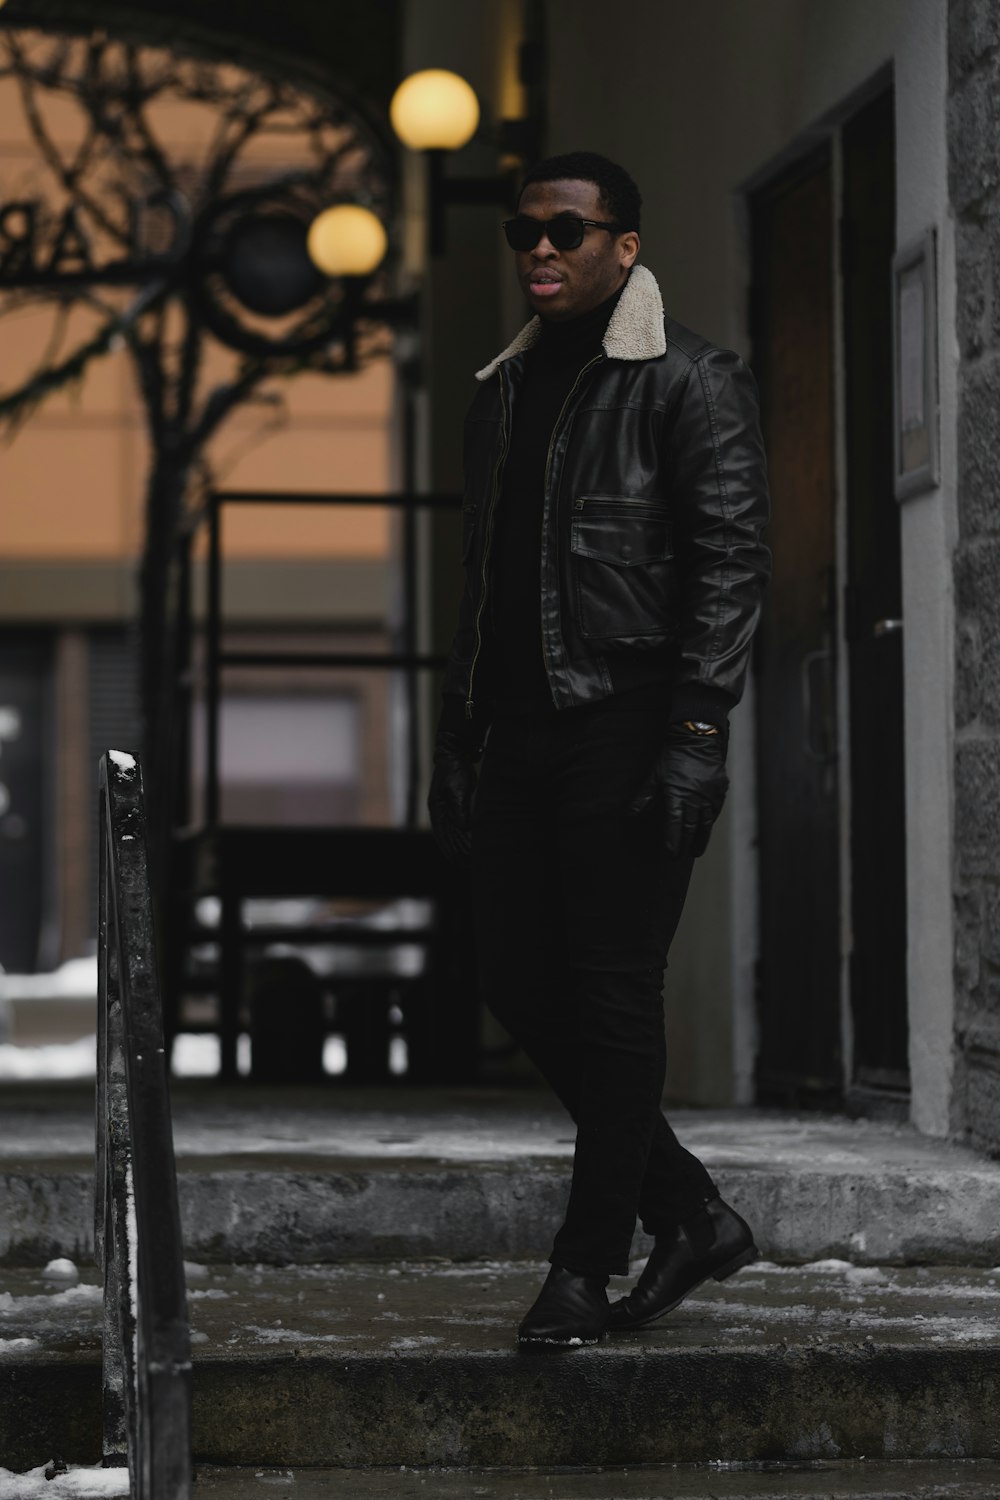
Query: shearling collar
{"type": "Point", "coordinates": [635, 329]}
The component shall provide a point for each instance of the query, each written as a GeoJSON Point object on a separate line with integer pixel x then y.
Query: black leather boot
{"type": "Point", "coordinates": [714, 1242]}
{"type": "Point", "coordinates": [570, 1309]}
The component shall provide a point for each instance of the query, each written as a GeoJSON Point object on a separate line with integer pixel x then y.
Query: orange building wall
{"type": "Point", "coordinates": [72, 479]}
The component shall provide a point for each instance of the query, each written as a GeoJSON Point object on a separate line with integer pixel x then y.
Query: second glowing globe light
{"type": "Point", "coordinates": [347, 240]}
{"type": "Point", "coordinates": [434, 110]}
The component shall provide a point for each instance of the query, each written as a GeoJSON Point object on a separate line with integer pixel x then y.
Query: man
{"type": "Point", "coordinates": [615, 495]}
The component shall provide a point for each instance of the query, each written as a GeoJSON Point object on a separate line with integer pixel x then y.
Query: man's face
{"type": "Point", "coordinates": [562, 284]}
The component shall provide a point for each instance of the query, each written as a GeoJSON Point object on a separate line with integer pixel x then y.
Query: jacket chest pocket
{"type": "Point", "coordinates": [622, 561]}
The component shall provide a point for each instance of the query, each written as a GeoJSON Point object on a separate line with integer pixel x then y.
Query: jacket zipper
{"type": "Point", "coordinates": [548, 466]}
{"type": "Point", "coordinates": [505, 437]}
{"type": "Point", "coordinates": [615, 507]}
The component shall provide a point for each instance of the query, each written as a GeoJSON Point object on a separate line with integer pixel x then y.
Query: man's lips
{"type": "Point", "coordinates": [544, 286]}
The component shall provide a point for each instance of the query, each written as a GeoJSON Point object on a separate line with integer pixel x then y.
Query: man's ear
{"type": "Point", "coordinates": [629, 248]}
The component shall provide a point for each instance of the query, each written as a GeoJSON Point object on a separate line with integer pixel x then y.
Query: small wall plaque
{"type": "Point", "coordinates": [915, 372]}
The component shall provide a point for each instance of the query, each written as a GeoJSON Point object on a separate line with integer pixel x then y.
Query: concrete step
{"type": "Point", "coordinates": [943, 1480]}
{"type": "Point", "coordinates": [416, 1364]}
{"type": "Point", "coordinates": [302, 1176]}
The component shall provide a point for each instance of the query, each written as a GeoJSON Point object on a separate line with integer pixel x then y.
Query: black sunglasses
{"type": "Point", "coordinates": [565, 231]}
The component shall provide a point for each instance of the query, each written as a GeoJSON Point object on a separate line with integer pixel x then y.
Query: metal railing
{"type": "Point", "coordinates": [406, 659]}
{"type": "Point", "coordinates": [137, 1231]}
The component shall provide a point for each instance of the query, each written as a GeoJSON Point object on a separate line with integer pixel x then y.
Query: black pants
{"type": "Point", "coordinates": [576, 906]}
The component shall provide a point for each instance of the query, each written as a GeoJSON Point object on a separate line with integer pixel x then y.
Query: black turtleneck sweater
{"type": "Point", "coordinates": [513, 616]}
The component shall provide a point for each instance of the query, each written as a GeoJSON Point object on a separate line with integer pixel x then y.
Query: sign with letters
{"type": "Point", "coordinates": [41, 249]}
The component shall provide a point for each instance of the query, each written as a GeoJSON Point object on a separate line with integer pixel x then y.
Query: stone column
{"type": "Point", "coordinates": [974, 183]}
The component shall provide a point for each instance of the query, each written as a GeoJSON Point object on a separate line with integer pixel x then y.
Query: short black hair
{"type": "Point", "coordinates": [619, 194]}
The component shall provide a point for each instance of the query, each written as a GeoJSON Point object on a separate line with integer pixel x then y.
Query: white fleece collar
{"type": "Point", "coordinates": [635, 329]}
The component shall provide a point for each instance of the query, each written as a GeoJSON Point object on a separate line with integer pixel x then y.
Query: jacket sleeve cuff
{"type": "Point", "coordinates": [453, 720]}
{"type": "Point", "coordinates": [698, 701]}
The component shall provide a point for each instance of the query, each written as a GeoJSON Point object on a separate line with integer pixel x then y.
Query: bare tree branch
{"type": "Point", "coordinates": [147, 353]}
{"type": "Point", "coordinates": [226, 154]}
{"type": "Point", "coordinates": [225, 397]}
{"type": "Point", "coordinates": [150, 149]}
{"type": "Point", "coordinates": [188, 366]}
{"type": "Point", "coordinates": [19, 404]}
{"type": "Point", "coordinates": [67, 177]}
{"type": "Point", "coordinates": [56, 337]}
{"type": "Point", "coordinates": [273, 423]}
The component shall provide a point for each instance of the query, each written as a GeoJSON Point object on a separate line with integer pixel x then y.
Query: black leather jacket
{"type": "Point", "coordinates": [652, 564]}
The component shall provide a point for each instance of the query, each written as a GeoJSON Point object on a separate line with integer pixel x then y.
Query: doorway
{"type": "Point", "coordinates": [830, 792]}
{"type": "Point", "coordinates": [25, 674]}
{"type": "Point", "coordinates": [799, 986]}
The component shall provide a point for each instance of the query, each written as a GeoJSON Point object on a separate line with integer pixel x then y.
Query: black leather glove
{"type": "Point", "coordinates": [449, 800]}
{"type": "Point", "coordinates": [688, 782]}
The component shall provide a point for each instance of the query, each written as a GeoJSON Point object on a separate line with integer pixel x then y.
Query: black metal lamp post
{"type": "Point", "coordinates": [437, 112]}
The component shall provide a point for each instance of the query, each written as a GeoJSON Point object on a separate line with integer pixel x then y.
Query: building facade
{"type": "Point", "coordinates": [821, 194]}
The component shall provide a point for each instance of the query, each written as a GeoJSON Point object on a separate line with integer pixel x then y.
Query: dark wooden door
{"type": "Point", "coordinates": [799, 1059]}
{"type": "Point", "coordinates": [874, 608]}
{"type": "Point", "coordinates": [24, 678]}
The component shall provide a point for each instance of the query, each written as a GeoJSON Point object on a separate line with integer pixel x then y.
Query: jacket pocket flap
{"type": "Point", "coordinates": [624, 533]}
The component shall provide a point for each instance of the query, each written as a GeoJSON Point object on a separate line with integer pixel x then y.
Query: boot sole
{"type": "Point", "coordinates": [745, 1258]}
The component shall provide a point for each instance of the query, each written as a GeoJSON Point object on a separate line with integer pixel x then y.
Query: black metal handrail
{"type": "Point", "coordinates": [137, 1230]}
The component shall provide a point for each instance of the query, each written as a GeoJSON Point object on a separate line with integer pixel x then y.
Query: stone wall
{"type": "Point", "coordinates": [974, 182]}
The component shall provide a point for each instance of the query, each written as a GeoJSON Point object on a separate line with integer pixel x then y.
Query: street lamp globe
{"type": "Point", "coordinates": [434, 110]}
{"type": "Point", "coordinates": [347, 240]}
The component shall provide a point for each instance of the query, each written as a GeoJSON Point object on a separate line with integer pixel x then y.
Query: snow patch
{"type": "Point", "coordinates": [478, 1268]}
{"type": "Point", "coordinates": [195, 1056]}
{"type": "Point", "coordinates": [94, 1481]}
{"type": "Point", "coordinates": [132, 1245]}
{"type": "Point", "coordinates": [57, 1060]}
{"type": "Point", "coordinates": [61, 1270]}
{"type": "Point", "coordinates": [865, 1275]}
{"type": "Point", "coordinates": [73, 980]}
{"type": "Point", "coordinates": [946, 1330]}
{"type": "Point", "coordinates": [124, 761]}
{"type": "Point", "coordinates": [856, 1275]}
{"type": "Point", "coordinates": [49, 1302]}
{"type": "Point", "coordinates": [291, 1336]}
{"type": "Point", "coordinates": [8, 1346]}
{"type": "Point", "coordinates": [132, 1233]}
